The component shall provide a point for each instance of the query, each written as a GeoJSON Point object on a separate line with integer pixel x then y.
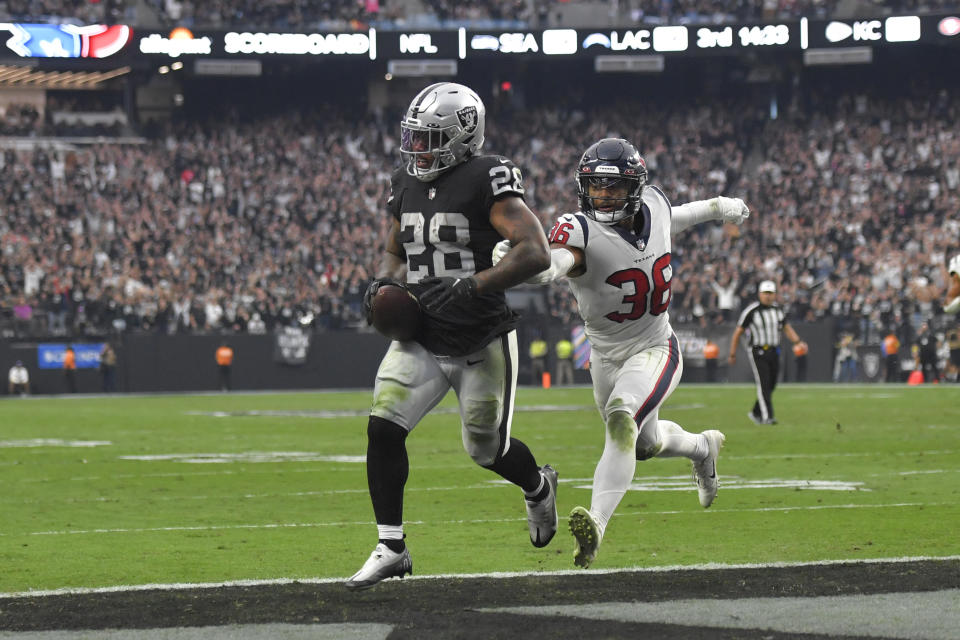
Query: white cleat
{"type": "Point", "coordinates": [542, 516]}
{"type": "Point", "coordinates": [382, 563]}
{"type": "Point", "coordinates": [705, 473]}
{"type": "Point", "coordinates": [584, 528]}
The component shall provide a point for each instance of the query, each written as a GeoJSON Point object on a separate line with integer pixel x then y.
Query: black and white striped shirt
{"type": "Point", "coordinates": [762, 324]}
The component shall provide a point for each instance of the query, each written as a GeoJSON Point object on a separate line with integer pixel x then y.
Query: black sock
{"type": "Point", "coordinates": [518, 466]}
{"type": "Point", "coordinates": [394, 545]}
{"type": "Point", "coordinates": [543, 493]}
{"type": "Point", "coordinates": [387, 469]}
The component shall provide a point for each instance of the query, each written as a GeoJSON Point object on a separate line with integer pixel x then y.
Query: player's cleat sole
{"type": "Point", "coordinates": [587, 534]}
{"type": "Point", "coordinates": [542, 516]}
{"type": "Point", "coordinates": [705, 473]}
{"type": "Point", "coordinates": [382, 564]}
{"type": "Point", "coordinates": [754, 418]}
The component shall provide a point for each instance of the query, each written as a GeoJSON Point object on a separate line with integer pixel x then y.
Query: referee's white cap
{"type": "Point", "coordinates": [767, 286]}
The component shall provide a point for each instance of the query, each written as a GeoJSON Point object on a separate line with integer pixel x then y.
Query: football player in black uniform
{"type": "Point", "coordinates": [450, 206]}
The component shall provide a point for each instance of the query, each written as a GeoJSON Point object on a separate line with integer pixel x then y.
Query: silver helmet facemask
{"type": "Point", "coordinates": [443, 127]}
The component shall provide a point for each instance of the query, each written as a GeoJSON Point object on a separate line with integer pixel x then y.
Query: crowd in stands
{"type": "Point", "coordinates": [243, 225]}
{"type": "Point", "coordinates": [358, 14]}
{"type": "Point", "coordinates": [20, 120]}
{"type": "Point", "coordinates": [66, 114]}
{"type": "Point", "coordinates": [66, 11]}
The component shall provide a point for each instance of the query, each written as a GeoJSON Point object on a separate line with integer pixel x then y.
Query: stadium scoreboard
{"type": "Point", "coordinates": [131, 45]}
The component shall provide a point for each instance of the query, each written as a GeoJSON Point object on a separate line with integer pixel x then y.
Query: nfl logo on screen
{"type": "Point", "coordinates": [432, 193]}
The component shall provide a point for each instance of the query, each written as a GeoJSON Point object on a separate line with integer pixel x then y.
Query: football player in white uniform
{"type": "Point", "coordinates": [616, 254]}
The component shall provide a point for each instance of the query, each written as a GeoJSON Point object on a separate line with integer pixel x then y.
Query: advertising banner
{"type": "Point", "coordinates": [29, 40]}
{"type": "Point", "coordinates": [182, 43]}
{"type": "Point", "coordinates": [51, 355]}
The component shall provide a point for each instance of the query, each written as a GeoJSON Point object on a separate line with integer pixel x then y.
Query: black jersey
{"type": "Point", "coordinates": [445, 231]}
{"type": "Point", "coordinates": [764, 324]}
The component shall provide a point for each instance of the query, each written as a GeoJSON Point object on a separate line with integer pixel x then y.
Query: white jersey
{"type": "Point", "coordinates": [18, 375]}
{"type": "Point", "coordinates": [624, 293]}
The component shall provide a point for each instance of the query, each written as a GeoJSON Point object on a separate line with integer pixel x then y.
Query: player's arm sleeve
{"type": "Point", "coordinates": [953, 307]}
{"type": "Point", "coordinates": [719, 208]}
{"type": "Point", "coordinates": [501, 178]}
{"type": "Point", "coordinates": [567, 238]}
{"type": "Point", "coordinates": [561, 262]}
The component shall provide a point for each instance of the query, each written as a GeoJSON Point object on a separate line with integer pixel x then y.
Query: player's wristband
{"type": "Point", "coordinates": [953, 307]}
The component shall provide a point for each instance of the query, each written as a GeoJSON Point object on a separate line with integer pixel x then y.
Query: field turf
{"type": "Point", "coordinates": [106, 491]}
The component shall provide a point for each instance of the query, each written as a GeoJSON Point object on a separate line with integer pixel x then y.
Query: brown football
{"type": "Point", "coordinates": [396, 312]}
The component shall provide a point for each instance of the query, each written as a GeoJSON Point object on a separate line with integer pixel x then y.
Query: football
{"type": "Point", "coordinates": [395, 313]}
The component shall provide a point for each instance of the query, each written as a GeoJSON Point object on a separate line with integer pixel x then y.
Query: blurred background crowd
{"type": "Point", "coordinates": [278, 219]}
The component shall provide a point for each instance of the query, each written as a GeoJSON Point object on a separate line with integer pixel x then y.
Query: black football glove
{"type": "Point", "coordinates": [372, 291]}
{"type": "Point", "coordinates": [443, 291]}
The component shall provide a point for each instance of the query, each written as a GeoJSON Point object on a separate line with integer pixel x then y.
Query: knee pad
{"type": "Point", "coordinates": [483, 449]}
{"type": "Point", "coordinates": [621, 429]}
{"type": "Point", "coordinates": [649, 443]}
{"type": "Point", "coordinates": [481, 437]}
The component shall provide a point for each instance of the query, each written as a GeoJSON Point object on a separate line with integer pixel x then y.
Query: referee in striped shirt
{"type": "Point", "coordinates": [763, 322]}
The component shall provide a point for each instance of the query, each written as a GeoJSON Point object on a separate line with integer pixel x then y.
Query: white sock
{"type": "Point", "coordinates": [612, 478]}
{"type": "Point", "coordinates": [678, 443]}
{"type": "Point", "coordinates": [390, 532]}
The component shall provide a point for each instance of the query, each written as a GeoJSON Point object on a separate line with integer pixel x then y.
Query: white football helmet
{"type": "Point", "coordinates": [442, 128]}
{"type": "Point", "coordinates": [954, 265]}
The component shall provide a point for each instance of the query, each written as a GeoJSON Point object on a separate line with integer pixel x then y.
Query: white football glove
{"type": "Point", "coordinates": [501, 249]}
{"type": "Point", "coordinates": [733, 210]}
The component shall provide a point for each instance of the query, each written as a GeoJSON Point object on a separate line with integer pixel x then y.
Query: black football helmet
{"type": "Point", "coordinates": [614, 165]}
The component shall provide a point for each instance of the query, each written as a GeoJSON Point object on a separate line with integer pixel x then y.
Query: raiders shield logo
{"type": "Point", "coordinates": [468, 118]}
{"type": "Point", "coordinates": [871, 365]}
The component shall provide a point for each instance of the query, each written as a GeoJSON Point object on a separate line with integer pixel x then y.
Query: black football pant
{"type": "Point", "coordinates": [765, 362]}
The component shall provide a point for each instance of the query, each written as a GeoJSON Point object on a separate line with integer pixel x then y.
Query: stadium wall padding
{"type": "Point", "coordinates": [335, 360]}
{"type": "Point", "coordinates": [156, 363]}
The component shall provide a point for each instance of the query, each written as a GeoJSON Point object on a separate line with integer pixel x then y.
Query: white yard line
{"type": "Point", "coordinates": [226, 472]}
{"type": "Point", "coordinates": [296, 525]}
{"type": "Point", "coordinates": [787, 456]}
{"type": "Point", "coordinates": [712, 566]}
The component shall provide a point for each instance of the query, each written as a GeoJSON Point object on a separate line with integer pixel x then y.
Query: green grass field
{"type": "Point", "coordinates": [187, 489]}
